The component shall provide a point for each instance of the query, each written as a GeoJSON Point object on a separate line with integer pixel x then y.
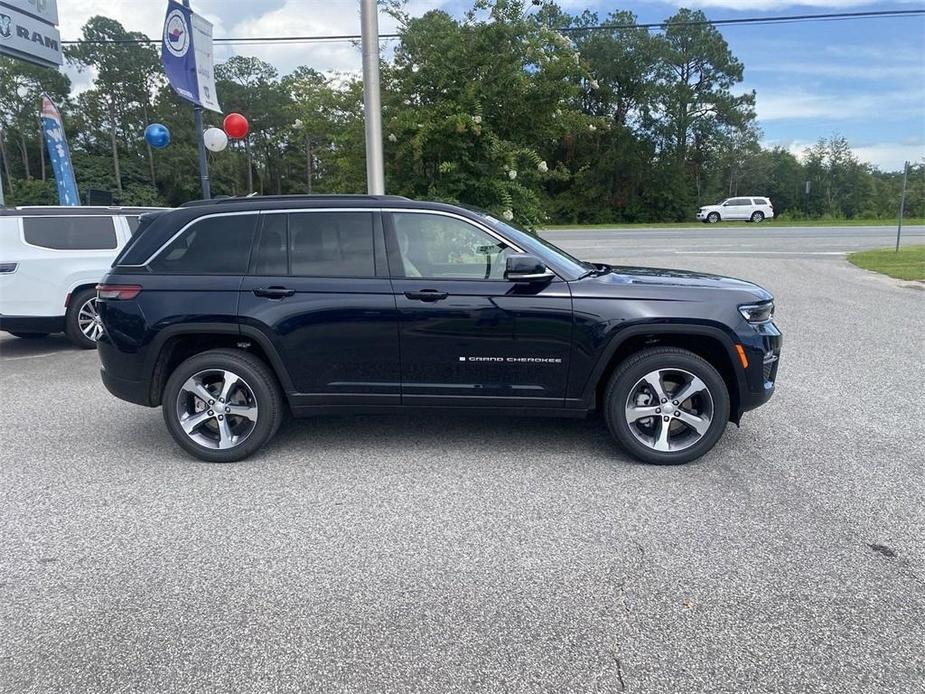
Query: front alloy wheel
{"type": "Point", "coordinates": [666, 405]}
{"type": "Point", "coordinates": [713, 218]}
{"type": "Point", "coordinates": [222, 405]}
{"type": "Point", "coordinates": [669, 410]}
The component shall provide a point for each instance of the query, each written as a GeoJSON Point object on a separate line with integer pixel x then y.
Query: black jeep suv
{"type": "Point", "coordinates": [226, 312]}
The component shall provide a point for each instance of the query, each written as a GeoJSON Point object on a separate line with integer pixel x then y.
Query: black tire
{"type": "Point", "coordinates": [757, 217]}
{"type": "Point", "coordinates": [71, 326]}
{"type": "Point", "coordinates": [29, 336]}
{"type": "Point", "coordinates": [261, 382]}
{"type": "Point", "coordinates": [634, 368]}
{"type": "Point", "coordinates": [713, 218]}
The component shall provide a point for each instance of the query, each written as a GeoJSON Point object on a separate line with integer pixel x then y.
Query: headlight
{"type": "Point", "coordinates": [756, 314]}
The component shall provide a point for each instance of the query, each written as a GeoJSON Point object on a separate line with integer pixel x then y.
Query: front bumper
{"type": "Point", "coordinates": [763, 351]}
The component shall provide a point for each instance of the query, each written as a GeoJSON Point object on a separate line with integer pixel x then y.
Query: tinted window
{"type": "Point", "coordinates": [212, 246]}
{"type": "Point", "coordinates": [270, 253]}
{"type": "Point", "coordinates": [70, 233]}
{"type": "Point", "coordinates": [761, 201]}
{"type": "Point", "coordinates": [436, 246]}
{"type": "Point", "coordinates": [740, 201]}
{"type": "Point", "coordinates": [331, 244]}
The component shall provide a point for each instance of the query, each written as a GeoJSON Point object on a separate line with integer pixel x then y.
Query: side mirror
{"type": "Point", "coordinates": [526, 268]}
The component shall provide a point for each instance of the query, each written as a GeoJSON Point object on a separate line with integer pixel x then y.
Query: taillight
{"type": "Point", "coordinates": [6, 268]}
{"type": "Point", "coordinates": [117, 292]}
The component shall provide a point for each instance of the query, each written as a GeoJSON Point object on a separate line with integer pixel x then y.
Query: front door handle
{"type": "Point", "coordinates": [427, 295]}
{"type": "Point", "coordinates": [274, 292]}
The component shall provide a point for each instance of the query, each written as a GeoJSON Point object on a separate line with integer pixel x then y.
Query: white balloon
{"type": "Point", "coordinates": [215, 138]}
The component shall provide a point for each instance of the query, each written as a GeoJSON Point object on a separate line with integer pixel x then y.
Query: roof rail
{"type": "Point", "coordinates": [289, 198]}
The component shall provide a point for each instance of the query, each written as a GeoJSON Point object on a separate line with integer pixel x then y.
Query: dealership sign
{"type": "Point", "coordinates": [186, 52]}
{"type": "Point", "coordinates": [27, 31]}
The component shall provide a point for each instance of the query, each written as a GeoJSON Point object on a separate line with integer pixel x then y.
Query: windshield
{"type": "Point", "coordinates": [537, 245]}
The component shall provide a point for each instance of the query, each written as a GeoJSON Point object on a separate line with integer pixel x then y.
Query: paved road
{"type": "Point", "coordinates": [456, 554]}
{"type": "Point", "coordinates": [751, 239]}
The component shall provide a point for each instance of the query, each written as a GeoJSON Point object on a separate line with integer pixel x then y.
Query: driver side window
{"type": "Point", "coordinates": [438, 247]}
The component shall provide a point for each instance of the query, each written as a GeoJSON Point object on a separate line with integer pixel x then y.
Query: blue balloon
{"type": "Point", "coordinates": [157, 135]}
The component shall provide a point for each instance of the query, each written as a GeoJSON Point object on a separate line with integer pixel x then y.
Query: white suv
{"type": "Point", "coordinates": [750, 209]}
{"type": "Point", "coordinates": [51, 259]}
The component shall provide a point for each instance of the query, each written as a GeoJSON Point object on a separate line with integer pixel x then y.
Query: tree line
{"type": "Point", "coordinates": [541, 117]}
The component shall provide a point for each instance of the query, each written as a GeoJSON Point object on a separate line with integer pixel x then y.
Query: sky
{"type": "Point", "coordinates": [864, 79]}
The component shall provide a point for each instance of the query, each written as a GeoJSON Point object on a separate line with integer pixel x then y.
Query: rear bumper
{"type": "Point", "coordinates": [32, 324]}
{"type": "Point", "coordinates": [131, 391]}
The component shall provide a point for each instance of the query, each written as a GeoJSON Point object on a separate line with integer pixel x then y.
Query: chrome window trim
{"type": "Point", "coordinates": [298, 210]}
{"type": "Point", "coordinates": [187, 226]}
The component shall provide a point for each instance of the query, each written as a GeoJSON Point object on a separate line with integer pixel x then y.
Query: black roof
{"type": "Point", "coordinates": [324, 197]}
{"type": "Point", "coordinates": [72, 210]}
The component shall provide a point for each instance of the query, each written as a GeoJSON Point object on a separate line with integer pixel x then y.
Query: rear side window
{"type": "Point", "coordinates": [211, 246]}
{"type": "Point", "coordinates": [331, 244]}
{"type": "Point", "coordinates": [762, 201]}
{"type": "Point", "coordinates": [70, 233]}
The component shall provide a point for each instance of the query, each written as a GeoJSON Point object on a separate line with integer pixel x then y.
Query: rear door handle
{"type": "Point", "coordinates": [427, 295]}
{"type": "Point", "coordinates": [274, 292]}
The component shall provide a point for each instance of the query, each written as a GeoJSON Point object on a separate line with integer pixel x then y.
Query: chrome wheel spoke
{"type": "Point", "coordinates": [654, 380]}
{"type": "Point", "coordinates": [635, 412]}
{"type": "Point", "coordinates": [694, 386]}
{"type": "Point", "coordinates": [229, 381]}
{"type": "Point", "coordinates": [246, 411]}
{"type": "Point", "coordinates": [192, 422]}
{"type": "Point", "coordinates": [197, 389]}
{"type": "Point", "coordinates": [698, 424]}
{"type": "Point", "coordinates": [226, 439]}
{"type": "Point", "coordinates": [661, 438]}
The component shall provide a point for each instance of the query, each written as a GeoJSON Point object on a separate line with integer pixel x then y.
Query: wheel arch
{"type": "Point", "coordinates": [176, 344]}
{"type": "Point", "coordinates": [79, 287]}
{"type": "Point", "coordinates": [706, 341]}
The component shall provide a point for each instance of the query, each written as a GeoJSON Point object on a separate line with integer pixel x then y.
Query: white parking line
{"type": "Point", "coordinates": [30, 356]}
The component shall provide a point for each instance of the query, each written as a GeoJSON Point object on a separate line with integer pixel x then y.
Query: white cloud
{"type": "Point", "coordinates": [888, 156]}
{"type": "Point", "coordinates": [771, 4]}
{"type": "Point", "coordinates": [800, 104]}
{"type": "Point", "coordinates": [837, 70]}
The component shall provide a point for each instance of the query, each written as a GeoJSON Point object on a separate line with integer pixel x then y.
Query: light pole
{"type": "Point", "coordinates": [309, 158]}
{"type": "Point", "coordinates": [372, 102]}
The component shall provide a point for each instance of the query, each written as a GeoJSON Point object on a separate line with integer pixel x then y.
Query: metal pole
{"type": "Point", "coordinates": [372, 103]}
{"type": "Point", "coordinates": [2, 201]}
{"type": "Point", "coordinates": [203, 161]}
{"type": "Point", "coordinates": [902, 205]}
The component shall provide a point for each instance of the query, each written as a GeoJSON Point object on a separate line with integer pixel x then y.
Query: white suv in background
{"type": "Point", "coordinates": [750, 209]}
{"type": "Point", "coordinates": [51, 259]}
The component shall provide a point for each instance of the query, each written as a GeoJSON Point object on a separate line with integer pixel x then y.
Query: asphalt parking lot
{"type": "Point", "coordinates": [468, 554]}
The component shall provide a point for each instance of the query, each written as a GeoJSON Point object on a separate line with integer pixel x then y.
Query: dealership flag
{"type": "Point", "coordinates": [53, 130]}
{"type": "Point", "coordinates": [186, 53]}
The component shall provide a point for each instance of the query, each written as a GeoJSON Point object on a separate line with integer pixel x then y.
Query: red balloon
{"type": "Point", "coordinates": [235, 125]}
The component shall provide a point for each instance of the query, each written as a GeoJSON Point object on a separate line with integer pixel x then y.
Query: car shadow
{"type": "Point", "coordinates": [18, 347]}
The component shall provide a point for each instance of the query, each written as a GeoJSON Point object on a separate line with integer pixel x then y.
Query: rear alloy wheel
{"type": "Point", "coordinates": [82, 322]}
{"type": "Point", "coordinates": [667, 406]}
{"type": "Point", "coordinates": [221, 406]}
{"type": "Point", "coordinates": [757, 217]}
{"type": "Point", "coordinates": [713, 218]}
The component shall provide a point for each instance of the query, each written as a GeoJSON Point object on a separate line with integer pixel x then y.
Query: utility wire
{"type": "Point", "coordinates": [748, 21]}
